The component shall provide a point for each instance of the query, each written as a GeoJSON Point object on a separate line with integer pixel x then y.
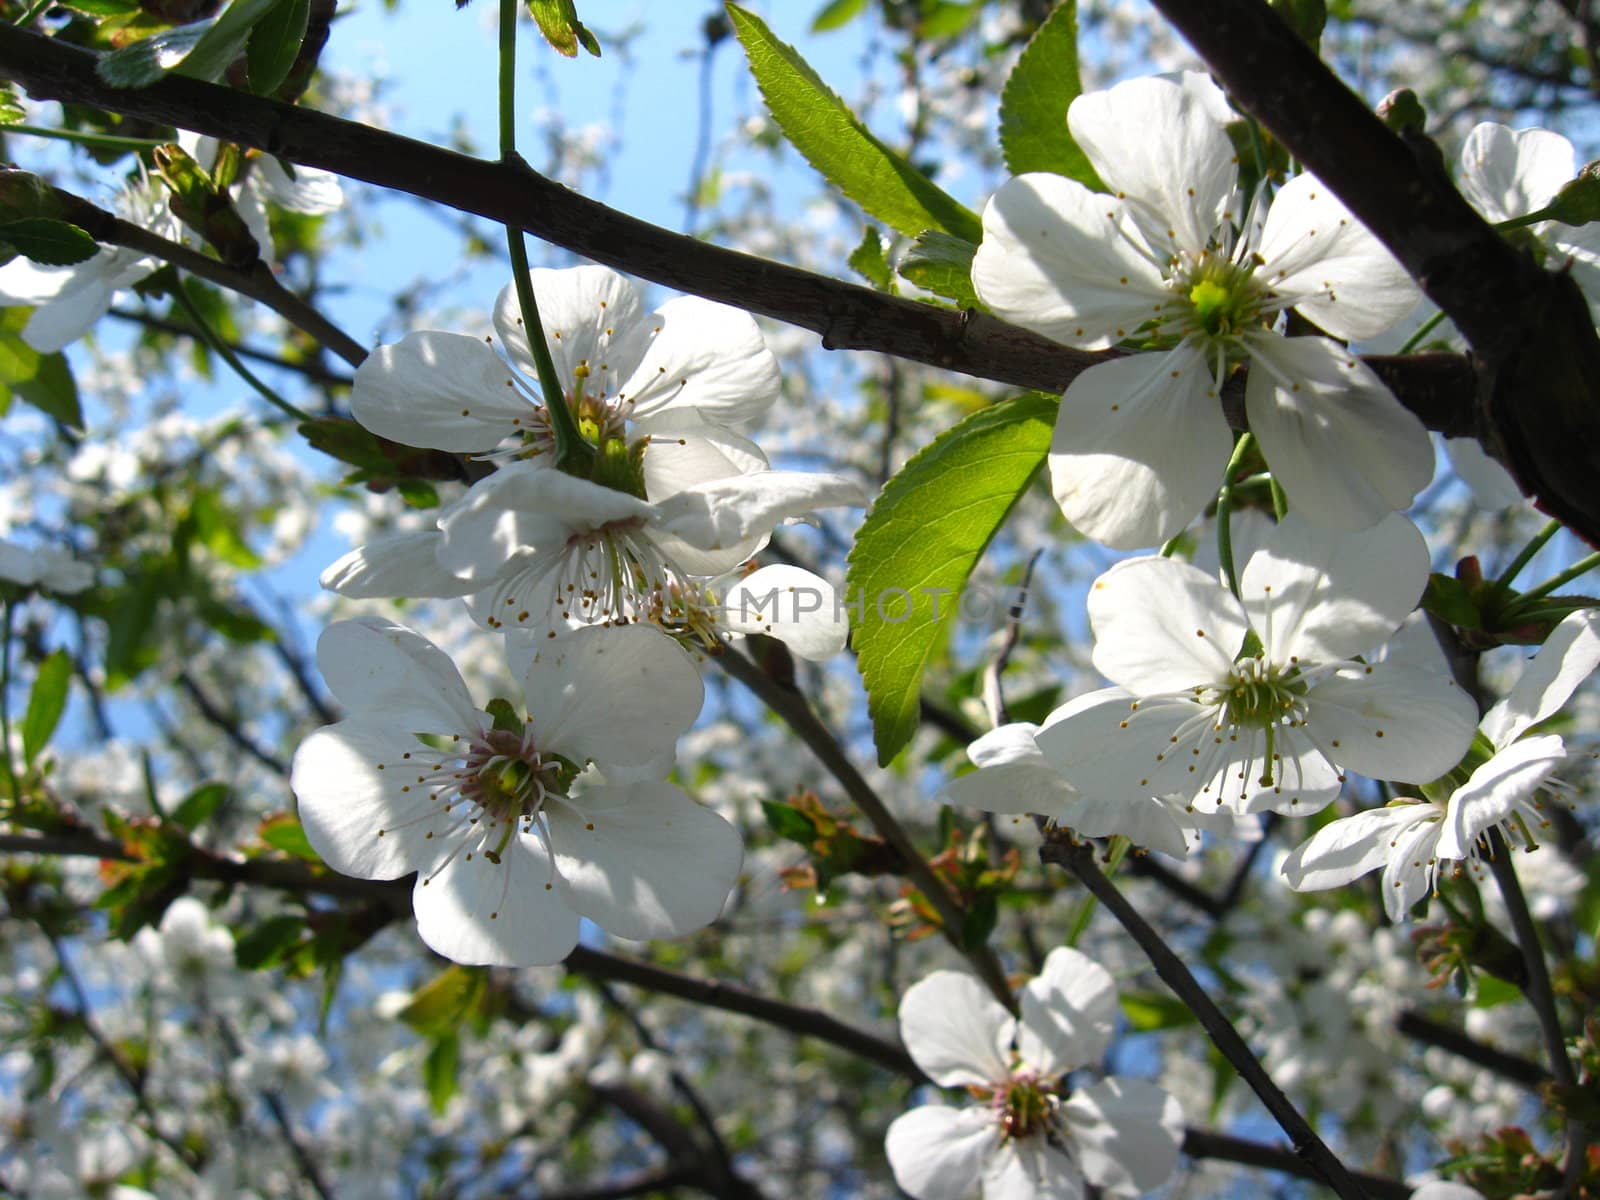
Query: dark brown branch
{"type": "Point", "coordinates": [846, 316]}
{"type": "Point", "coordinates": [1530, 329]}
{"type": "Point", "coordinates": [1203, 1143]}
{"type": "Point", "coordinates": [1446, 1037]}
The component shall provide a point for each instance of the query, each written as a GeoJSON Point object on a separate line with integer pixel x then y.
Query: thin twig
{"type": "Point", "coordinates": [993, 693]}
{"type": "Point", "coordinates": [1463, 1045]}
{"type": "Point", "coordinates": [280, 1117]}
{"type": "Point", "coordinates": [796, 712]}
{"type": "Point", "coordinates": [1079, 858]}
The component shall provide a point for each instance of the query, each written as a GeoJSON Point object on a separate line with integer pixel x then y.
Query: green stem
{"type": "Point", "coordinates": [1522, 222]}
{"type": "Point", "coordinates": [1582, 567]}
{"type": "Point", "coordinates": [110, 141]}
{"type": "Point", "coordinates": [5, 702]}
{"type": "Point", "coordinates": [1423, 331]}
{"type": "Point", "coordinates": [27, 18]}
{"type": "Point", "coordinates": [1084, 913]}
{"type": "Point", "coordinates": [1280, 502]}
{"type": "Point", "coordinates": [1535, 544]}
{"type": "Point", "coordinates": [1225, 511]}
{"type": "Point", "coordinates": [570, 443]}
{"type": "Point", "coordinates": [209, 335]}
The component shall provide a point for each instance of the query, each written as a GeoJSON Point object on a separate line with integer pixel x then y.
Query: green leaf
{"type": "Point", "coordinates": [217, 529]}
{"type": "Point", "coordinates": [11, 110]}
{"type": "Point", "coordinates": [837, 13]}
{"type": "Point", "coordinates": [833, 141]}
{"type": "Point", "coordinates": [446, 1001]}
{"type": "Point", "coordinates": [141, 63]}
{"type": "Point", "coordinates": [558, 21]}
{"type": "Point", "coordinates": [440, 1070]}
{"type": "Point", "coordinates": [925, 533]}
{"type": "Point", "coordinates": [1033, 104]}
{"type": "Point", "coordinates": [46, 702]}
{"type": "Point", "coordinates": [980, 921]}
{"type": "Point", "coordinates": [274, 44]}
{"type": "Point", "coordinates": [101, 8]}
{"type": "Point", "coordinates": [1148, 1011]}
{"type": "Point", "coordinates": [285, 833]}
{"type": "Point", "coordinates": [269, 942]}
{"type": "Point", "coordinates": [225, 40]}
{"type": "Point", "coordinates": [788, 822]}
{"type": "Point", "coordinates": [868, 261]}
{"type": "Point", "coordinates": [947, 19]}
{"type": "Point", "coordinates": [49, 243]}
{"type": "Point", "coordinates": [53, 391]}
{"type": "Point", "coordinates": [941, 264]}
{"type": "Point", "coordinates": [200, 805]}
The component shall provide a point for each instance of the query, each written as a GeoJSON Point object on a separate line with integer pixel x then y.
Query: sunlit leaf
{"type": "Point", "coordinates": [1034, 102]}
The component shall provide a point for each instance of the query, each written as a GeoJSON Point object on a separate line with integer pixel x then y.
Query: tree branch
{"type": "Point", "coordinates": [1438, 387]}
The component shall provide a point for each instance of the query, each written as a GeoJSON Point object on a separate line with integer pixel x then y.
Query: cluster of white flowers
{"type": "Point", "coordinates": [524, 815]}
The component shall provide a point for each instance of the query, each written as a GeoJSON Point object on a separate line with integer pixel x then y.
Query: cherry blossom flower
{"type": "Point", "coordinates": [1441, 1189]}
{"type": "Point", "coordinates": [519, 823]}
{"type": "Point", "coordinates": [1260, 702]}
{"type": "Point", "coordinates": [67, 301]}
{"type": "Point", "coordinates": [47, 568]}
{"type": "Point", "coordinates": [1169, 258]}
{"type": "Point", "coordinates": [1495, 788]}
{"type": "Point", "coordinates": [1031, 1138]}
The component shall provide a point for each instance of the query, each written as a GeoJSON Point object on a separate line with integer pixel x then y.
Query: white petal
{"type": "Point", "coordinates": [396, 565]}
{"type": "Point", "coordinates": [1031, 1169]}
{"type": "Point", "coordinates": [383, 671]}
{"type": "Point", "coordinates": [1150, 822]}
{"type": "Point", "coordinates": [355, 813]}
{"type": "Point", "coordinates": [1302, 782]}
{"type": "Point", "coordinates": [445, 391]}
{"type": "Point", "coordinates": [592, 319]}
{"type": "Point", "coordinates": [938, 1153]}
{"type": "Point", "coordinates": [1315, 594]}
{"type": "Point", "coordinates": [308, 191]}
{"type": "Point", "coordinates": [1568, 656]}
{"type": "Point", "coordinates": [1350, 847]}
{"type": "Point", "coordinates": [1344, 449]}
{"type": "Point", "coordinates": [1409, 873]}
{"type": "Point", "coordinates": [728, 512]}
{"type": "Point", "coordinates": [1159, 141]}
{"type": "Point", "coordinates": [619, 695]}
{"type": "Point", "coordinates": [710, 357]}
{"type": "Point", "coordinates": [798, 608]}
{"type": "Point", "coordinates": [1052, 261]}
{"type": "Point", "coordinates": [506, 914]}
{"type": "Point", "coordinates": [686, 450]}
{"type": "Point", "coordinates": [1388, 721]}
{"type": "Point", "coordinates": [1127, 1133]}
{"type": "Point", "coordinates": [1068, 1013]}
{"type": "Point", "coordinates": [1115, 753]}
{"type": "Point", "coordinates": [1443, 1190]}
{"type": "Point", "coordinates": [1495, 789]}
{"type": "Point", "coordinates": [1509, 173]}
{"type": "Point", "coordinates": [57, 323]}
{"type": "Point", "coordinates": [1161, 625]}
{"type": "Point", "coordinates": [1328, 262]}
{"type": "Point", "coordinates": [525, 509]}
{"type": "Point", "coordinates": [955, 1030]}
{"type": "Point", "coordinates": [643, 860]}
{"type": "Point", "coordinates": [1491, 484]}
{"type": "Point", "coordinates": [1012, 788]}
{"type": "Point", "coordinates": [1140, 444]}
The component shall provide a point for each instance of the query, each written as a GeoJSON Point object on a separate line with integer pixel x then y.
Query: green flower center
{"type": "Point", "coordinates": [1223, 300]}
{"type": "Point", "coordinates": [1024, 1107]}
{"type": "Point", "coordinates": [1260, 695]}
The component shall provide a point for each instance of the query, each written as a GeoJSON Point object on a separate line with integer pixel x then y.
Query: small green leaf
{"type": "Point", "coordinates": [788, 822]}
{"type": "Point", "coordinates": [837, 13]}
{"type": "Point", "coordinates": [269, 942]}
{"type": "Point", "coordinates": [274, 44]}
{"type": "Point", "coordinates": [200, 805]}
{"type": "Point", "coordinates": [833, 141]}
{"type": "Point", "coordinates": [11, 110]}
{"type": "Point", "coordinates": [141, 63]}
{"type": "Point", "coordinates": [980, 921]}
{"type": "Point", "coordinates": [225, 40]}
{"type": "Point", "coordinates": [285, 833]}
{"type": "Point", "coordinates": [101, 8]}
{"type": "Point", "coordinates": [1033, 104]}
{"type": "Point", "coordinates": [1451, 601]}
{"type": "Point", "coordinates": [49, 243]}
{"type": "Point", "coordinates": [440, 1070]}
{"type": "Point", "coordinates": [946, 19]}
{"type": "Point", "coordinates": [868, 261]}
{"type": "Point", "coordinates": [46, 702]}
{"type": "Point", "coordinates": [1149, 1011]}
{"type": "Point", "coordinates": [216, 528]}
{"type": "Point", "coordinates": [558, 21]}
{"type": "Point", "coordinates": [444, 1003]}
{"type": "Point", "coordinates": [53, 391]}
{"type": "Point", "coordinates": [920, 542]}
{"type": "Point", "coordinates": [941, 264]}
